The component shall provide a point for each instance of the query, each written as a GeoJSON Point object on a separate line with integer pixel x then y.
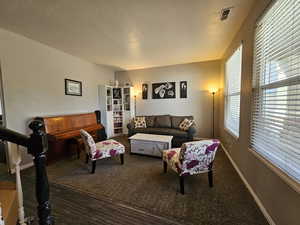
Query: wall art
{"type": "Point", "coordinates": [163, 90]}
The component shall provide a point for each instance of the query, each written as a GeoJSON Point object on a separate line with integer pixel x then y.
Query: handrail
{"type": "Point", "coordinates": [14, 137]}
{"type": "Point", "coordinates": [37, 146]}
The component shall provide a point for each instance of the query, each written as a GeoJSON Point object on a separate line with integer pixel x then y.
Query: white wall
{"type": "Point", "coordinates": [200, 77]}
{"type": "Point", "coordinates": [33, 81]}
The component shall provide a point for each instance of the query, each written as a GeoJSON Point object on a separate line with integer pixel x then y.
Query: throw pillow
{"type": "Point", "coordinates": [186, 124]}
{"type": "Point", "coordinates": [176, 120]}
{"type": "Point", "coordinates": [140, 122]}
{"type": "Point", "coordinates": [150, 121]}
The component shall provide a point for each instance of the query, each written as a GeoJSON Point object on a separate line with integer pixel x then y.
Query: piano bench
{"type": "Point", "coordinates": [77, 144]}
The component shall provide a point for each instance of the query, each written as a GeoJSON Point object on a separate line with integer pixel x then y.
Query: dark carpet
{"type": "Point", "coordinates": [141, 184]}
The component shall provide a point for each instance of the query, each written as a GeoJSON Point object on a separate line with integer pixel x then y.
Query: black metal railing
{"type": "Point", "coordinates": [37, 146]}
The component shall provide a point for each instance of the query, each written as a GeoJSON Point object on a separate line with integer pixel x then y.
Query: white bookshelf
{"type": "Point", "coordinates": [116, 105]}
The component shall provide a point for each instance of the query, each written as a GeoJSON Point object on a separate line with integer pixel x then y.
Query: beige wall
{"type": "Point", "coordinates": [279, 199]}
{"type": "Point", "coordinates": [33, 81]}
{"type": "Point", "coordinates": [200, 77]}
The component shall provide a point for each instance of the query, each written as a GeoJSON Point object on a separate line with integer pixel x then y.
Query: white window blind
{"type": "Point", "coordinates": [233, 70]}
{"type": "Point", "coordinates": [275, 132]}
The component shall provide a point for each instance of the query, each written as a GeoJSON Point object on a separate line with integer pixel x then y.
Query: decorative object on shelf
{"type": "Point", "coordinates": [126, 96]}
{"type": "Point", "coordinates": [73, 87]}
{"type": "Point", "coordinates": [117, 93]}
{"type": "Point", "coordinates": [213, 92]}
{"type": "Point", "coordinates": [111, 83]}
{"type": "Point", "coordinates": [163, 90]}
{"type": "Point", "coordinates": [144, 91]}
{"type": "Point", "coordinates": [117, 111]}
{"type": "Point", "coordinates": [108, 99]}
{"type": "Point", "coordinates": [183, 89]}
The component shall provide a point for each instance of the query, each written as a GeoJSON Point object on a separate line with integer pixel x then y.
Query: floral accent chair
{"type": "Point", "coordinates": [192, 158]}
{"type": "Point", "coordinates": [100, 150]}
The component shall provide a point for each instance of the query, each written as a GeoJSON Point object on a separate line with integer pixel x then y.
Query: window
{"type": "Point", "coordinates": [275, 132]}
{"type": "Point", "coordinates": [233, 70]}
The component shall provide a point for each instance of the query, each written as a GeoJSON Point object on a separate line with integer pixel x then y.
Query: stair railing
{"type": "Point", "coordinates": [37, 146]}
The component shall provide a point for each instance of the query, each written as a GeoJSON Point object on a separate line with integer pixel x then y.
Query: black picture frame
{"type": "Point", "coordinates": [183, 89]}
{"type": "Point", "coordinates": [73, 87]}
{"type": "Point", "coordinates": [145, 91]}
{"type": "Point", "coordinates": [117, 93]}
{"type": "Point", "coordinates": [164, 90]}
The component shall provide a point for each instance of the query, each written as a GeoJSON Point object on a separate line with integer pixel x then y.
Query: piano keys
{"type": "Point", "coordinates": [63, 133]}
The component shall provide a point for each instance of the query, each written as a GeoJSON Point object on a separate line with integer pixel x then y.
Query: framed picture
{"type": "Point", "coordinates": [163, 90]}
{"type": "Point", "coordinates": [183, 89]}
{"type": "Point", "coordinates": [73, 87]}
{"type": "Point", "coordinates": [144, 91]}
{"type": "Point", "coordinates": [117, 93]}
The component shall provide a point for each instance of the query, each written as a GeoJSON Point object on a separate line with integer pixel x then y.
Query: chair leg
{"type": "Point", "coordinates": [181, 183]}
{"type": "Point", "coordinates": [87, 159]}
{"type": "Point", "coordinates": [165, 166]}
{"type": "Point", "coordinates": [210, 178]}
{"type": "Point", "coordinates": [122, 158]}
{"type": "Point", "coordinates": [93, 166]}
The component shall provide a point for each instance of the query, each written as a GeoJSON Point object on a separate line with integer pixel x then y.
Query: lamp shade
{"type": "Point", "coordinates": [213, 90]}
{"type": "Point", "coordinates": [136, 92]}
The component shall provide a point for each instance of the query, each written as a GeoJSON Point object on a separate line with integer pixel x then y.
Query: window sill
{"type": "Point", "coordinates": [286, 178]}
{"type": "Point", "coordinates": [234, 136]}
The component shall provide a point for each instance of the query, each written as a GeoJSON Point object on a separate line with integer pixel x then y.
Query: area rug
{"type": "Point", "coordinates": [140, 183]}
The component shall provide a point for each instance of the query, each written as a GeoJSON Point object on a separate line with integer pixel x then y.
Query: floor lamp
{"type": "Point", "coordinates": [213, 92]}
{"type": "Point", "coordinates": [135, 105]}
{"type": "Point", "coordinates": [135, 93]}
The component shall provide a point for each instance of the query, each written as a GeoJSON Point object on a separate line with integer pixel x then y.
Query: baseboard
{"type": "Point", "coordinates": [257, 200]}
{"type": "Point", "coordinates": [22, 167]}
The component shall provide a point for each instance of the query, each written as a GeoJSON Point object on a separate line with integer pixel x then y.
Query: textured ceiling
{"type": "Point", "coordinates": [128, 34]}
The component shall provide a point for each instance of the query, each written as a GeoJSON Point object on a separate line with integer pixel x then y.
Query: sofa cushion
{"type": "Point", "coordinates": [150, 121]}
{"type": "Point", "coordinates": [163, 121]}
{"type": "Point", "coordinates": [176, 120]}
{"type": "Point", "coordinates": [163, 131]}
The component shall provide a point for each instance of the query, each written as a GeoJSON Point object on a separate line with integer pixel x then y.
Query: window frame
{"type": "Point", "coordinates": [257, 88]}
{"type": "Point", "coordinates": [227, 96]}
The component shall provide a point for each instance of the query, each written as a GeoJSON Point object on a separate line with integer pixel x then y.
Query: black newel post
{"type": "Point", "coordinates": [37, 147]}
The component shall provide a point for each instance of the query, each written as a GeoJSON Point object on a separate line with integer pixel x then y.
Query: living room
{"type": "Point", "coordinates": [193, 74]}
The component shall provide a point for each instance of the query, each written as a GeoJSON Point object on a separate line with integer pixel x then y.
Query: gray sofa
{"type": "Point", "coordinates": [165, 125]}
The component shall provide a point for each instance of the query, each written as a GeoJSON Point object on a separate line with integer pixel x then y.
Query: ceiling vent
{"type": "Point", "coordinates": [225, 13]}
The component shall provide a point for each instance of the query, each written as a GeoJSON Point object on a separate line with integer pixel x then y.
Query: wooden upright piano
{"type": "Point", "coordinates": [63, 133]}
